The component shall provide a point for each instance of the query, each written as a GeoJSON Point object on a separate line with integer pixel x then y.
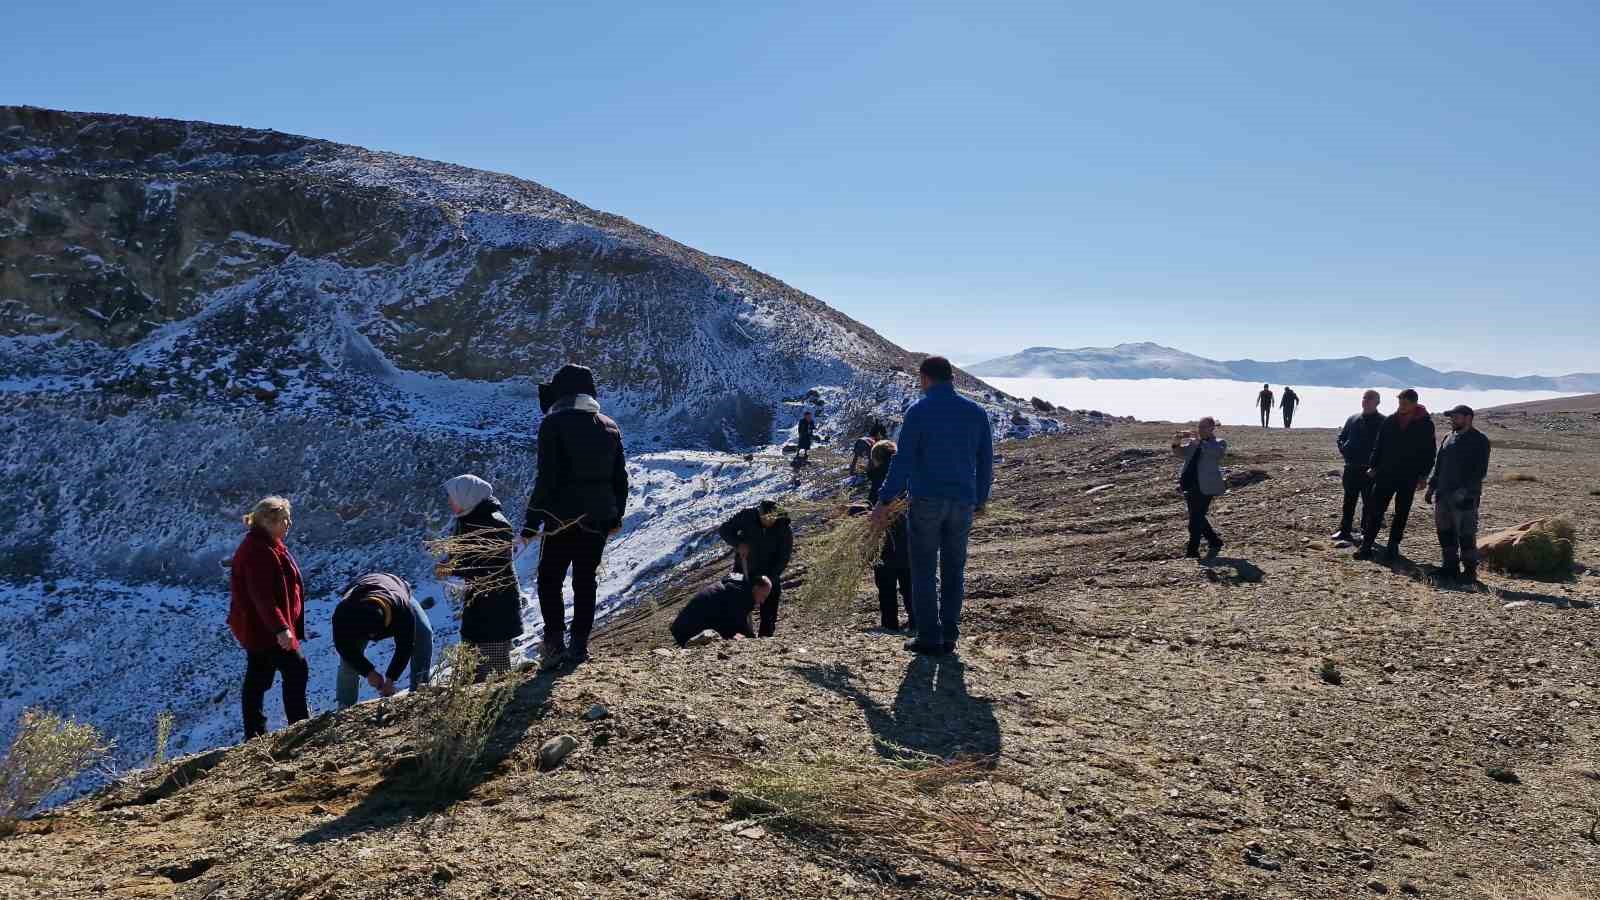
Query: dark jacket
{"type": "Point", "coordinates": [1290, 400]}
{"type": "Point", "coordinates": [583, 471]}
{"type": "Point", "coordinates": [946, 450]}
{"type": "Point", "coordinates": [266, 593]}
{"type": "Point", "coordinates": [1358, 436]}
{"type": "Point", "coordinates": [1463, 463]}
{"type": "Point", "coordinates": [896, 552]}
{"type": "Point", "coordinates": [492, 608]}
{"type": "Point", "coordinates": [724, 608]}
{"type": "Point", "coordinates": [770, 548]}
{"type": "Point", "coordinates": [1404, 452]}
{"type": "Point", "coordinates": [808, 431]}
{"type": "Point", "coordinates": [373, 608]}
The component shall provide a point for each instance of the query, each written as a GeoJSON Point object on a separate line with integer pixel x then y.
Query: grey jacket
{"type": "Point", "coordinates": [1208, 468]}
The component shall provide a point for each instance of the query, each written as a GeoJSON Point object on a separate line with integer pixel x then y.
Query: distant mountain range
{"type": "Point", "coordinates": [1147, 360]}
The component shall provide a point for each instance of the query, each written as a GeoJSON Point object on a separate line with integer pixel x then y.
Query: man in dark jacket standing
{"type": "Point", "coordinates": [763, 543]}
{"type": "Point", "coordinates": [580, 495]}
{"type": "Point", "coordinates": [1356, 440]}
{"type": "Point", "coordinates": [946, 464]}
{"type": "Point", "coordinates": [1290, 401]}
{"type": "Point", "coordinates": [1402, 457]}
{"type": "Point", "coordinates": [1455, 491]}
{"type": "Point", "coordinates": [1264, 404]}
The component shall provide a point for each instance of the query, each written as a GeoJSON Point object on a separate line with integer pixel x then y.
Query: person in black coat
{"type": "Point", "coordinates": [580, 496]}
{"type": "Point", "coordinates": [1462, 465]}
{"type": "Point", "coordinates": [1356, 440]}
{"type": "Point", "coordinates": [376, 607]}
{"type": "Point", "coordinates": [491, 608]}
{"type": "Point", "coordinates": [808, 433]}
{"type": "Point", "coordinates": [892, 571]}
{"type": "Point", "coordinates": [1402, 457]}
{"type": "Point", "coordinates": [724, 608]}
{"type": "Point", "coordinates": [763, 543]}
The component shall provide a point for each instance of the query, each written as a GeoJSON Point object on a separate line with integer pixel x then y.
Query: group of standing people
{"type": "Point", "coordinates": [1387, 459]}
{"type": "Point", "coordinates": [1287, 405]}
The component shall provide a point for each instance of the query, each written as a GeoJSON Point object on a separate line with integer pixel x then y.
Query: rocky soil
{"type": "Point", "coordinates": [1283, 721]}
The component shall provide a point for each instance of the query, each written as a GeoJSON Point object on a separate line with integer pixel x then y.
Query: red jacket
{"type": "Point", "coordinates": [267, 594]}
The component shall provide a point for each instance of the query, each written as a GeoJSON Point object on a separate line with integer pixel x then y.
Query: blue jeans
{"type": "Point", "coordinates": [348, 685]}
{"type": "Point", "coordinates": [937, 532]}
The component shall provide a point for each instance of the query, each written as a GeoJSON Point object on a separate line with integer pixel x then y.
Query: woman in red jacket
{"type": "Point", "coordinates": [267, 615]}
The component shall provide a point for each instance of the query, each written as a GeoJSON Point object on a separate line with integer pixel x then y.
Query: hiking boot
{"type": "Point", "coordinates": [1469, 573]}
{"type": "Point", "coordinates": [917, 646]}
{"type": "Point", "coordinates": [1391, 553]}
{"type": "Point", "coordinates": [1343, 535]}
{"type": "Point", "coordinates": [1192, 552]}
{"type": "Point", "coordinates": [551, 655]}
{"type": "Point", "coordinates": [578, 653]}
{"type": "Point", "coordinates": [1213, 549]}
{"type": "Point", "coordinates": [1450, 571]}
{"type": "Point", "coordinates": [1365, 552]}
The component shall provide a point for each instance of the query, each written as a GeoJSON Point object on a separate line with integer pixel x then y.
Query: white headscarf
{"type": "Point", "coordinates": [467, 491]}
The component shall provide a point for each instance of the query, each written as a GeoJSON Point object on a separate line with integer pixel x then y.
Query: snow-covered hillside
{"type": "Point", "coordinates": [192, 316]}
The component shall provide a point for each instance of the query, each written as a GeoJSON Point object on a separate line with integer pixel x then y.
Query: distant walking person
{"type": "Point", "coordinates": [763, 543]}
{"type": "Point", "coordinates": [1264, 404]}
{"type": "Point", "coordinates": [946, 464]}
{"type": "Point", "coordinates": [491, 608]}
{"type": "Point", "coordinates": [580, 496]}
{"type": "Point", "coordinates": [892, 571]}
{"type": "Point", "coordinates": [377, 607]}
{"type": "Point", "coordinates": [1455, 491]}
{"type": "Point", "coordinates": [1290, 401]}
{"type": "Point", "coordinates": [1402, 457]}
{"type": "Point", "coordinates": [1200, 481]}
{"type": "Point", "coordinates": [267, 615]}
{"type": "Point", "coordinates": [808, 434]}
{"type": "Point", "coordinates": [1356, 440]}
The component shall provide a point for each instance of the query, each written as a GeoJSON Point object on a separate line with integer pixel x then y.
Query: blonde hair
{"type": "Point", "coordinates": [267, 512]}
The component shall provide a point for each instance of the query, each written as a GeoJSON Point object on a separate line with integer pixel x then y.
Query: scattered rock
{"type": "Point", "coordinates": [1504, 776]}
{"type": "Point", "coordinates": [596, 713]}
{"type": "Point", "coordinates": [555, 751]}
{"type": "Point", "coordinates": [753, 833]}
{"type": "Point", "coordinates": [704, 639]}
{"type": "Point", "coordinates": [1377, 887]}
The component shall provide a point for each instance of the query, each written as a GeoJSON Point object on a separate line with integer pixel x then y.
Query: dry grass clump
{"type": "Point", "coordinates": [1523, 891]}
{"type": "Point", "coordinates": [1519, 476]}
{"type": "Point", "coordinates": [847, 553]}
{"type": "Point", "coordinates": [888, 803]}
{"type": "Point", "coordinates": [46, 754]}
{"type": "Point", "coordinates": [163, 736]}
{"type": "Point", "coordinates": [1543, 550]}
{"type": "Point", "coordinates": [454, 721]}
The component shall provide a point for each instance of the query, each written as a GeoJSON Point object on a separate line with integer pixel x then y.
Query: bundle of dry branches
{"type": "Point", "coordinates": [461, 556]}
{"type": "Point", "coordinates": [848, 551]}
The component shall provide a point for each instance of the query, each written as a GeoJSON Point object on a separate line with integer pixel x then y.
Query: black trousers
{"type": "Point", "coordinates": [769, 610]}
{"type": "Point", "coordinates": [1383, 491]}
{"type": "Point", "coordinates": [894, 589]}
{"type": "Point", "coordinates": [1357, 488]}
{"type": "Point", "coordinates": [1199, 504]}
{"type": "Point", "coordinates": [1288, 416]}
{"type": "Point", "coordinates": [259, 669]}
{"type": "Point", "coordinates": [580, 550]}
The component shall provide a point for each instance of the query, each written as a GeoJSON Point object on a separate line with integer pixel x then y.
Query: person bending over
{"type": "Point", "coordinates": [378, 607]}
{"type": "Point", "coordinates": [763, 542]}
{"type": "Point", "coordinates": [724, 608]}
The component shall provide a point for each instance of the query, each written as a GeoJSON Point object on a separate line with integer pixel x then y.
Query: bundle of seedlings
{"type": "Point", "coordinates": [1541, 548]}
{"type": "Point", "coordinates": [847, 553]}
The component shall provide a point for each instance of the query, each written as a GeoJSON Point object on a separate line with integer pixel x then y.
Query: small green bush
{"type": "Point", "coordinates": [454, 721]}
{"type": "Point", "coordinates": [46, 754]}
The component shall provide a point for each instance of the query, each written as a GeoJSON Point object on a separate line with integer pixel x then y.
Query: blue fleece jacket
{"type": "Point", "coordinates": [946, 450]}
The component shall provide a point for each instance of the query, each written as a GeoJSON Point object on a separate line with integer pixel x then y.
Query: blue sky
{"type": "Point", "coordinates": [1235, 179]}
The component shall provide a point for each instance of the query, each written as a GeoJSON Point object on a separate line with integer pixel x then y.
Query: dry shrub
{"type": "Point", "coordinates": [46, 754]}
{"type": "Point", "coordinates": [454, 720]}
{"type": "Point", "coordinates": [847, 553]}
{"type": "Point", "coordinates": [1519, 476]}
{"type": "Point", "coordinates": [1545, 550]}
{"type": "Point", "coordinates": [458, 553]}
{"type": "Point", "coordinates": [163, 736]}
{"type": "Point", "coordinates": [1523, 891]}
{"type": "Point", "coordinates": [886, 803]}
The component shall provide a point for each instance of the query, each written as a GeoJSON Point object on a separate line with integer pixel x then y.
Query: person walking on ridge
{"type": "Point", "coordinates": [1264, 404]}
{"type": "Point", "coordinates": [1356, 440]}
{"type": "Point", "coordinates": [1456, 490]}
{"type": "Point", "coordinates": [373, 608]}
{"type": "Point", "coordinates": [1200, 481]}
{"type": "Point", "coordinates": [1402, 457]}
{"type": "Point", "coordinates": [267, 615]}
{"type": "Point", "coordinates": [946, 464]}
{"type": "Point", "coordinates": [808, 433]}
{"type": "Point", "coordinates": [579, 498]}
{"type": "Point", "coordinates": [1290, 401]}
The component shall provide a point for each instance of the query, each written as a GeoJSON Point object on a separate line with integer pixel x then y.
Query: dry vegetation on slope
{"type": "Point", "coordinates": [1283, 722]}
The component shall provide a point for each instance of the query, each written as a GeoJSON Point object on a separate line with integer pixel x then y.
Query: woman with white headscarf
{"type": "Point", "coordinates": [491, 610]}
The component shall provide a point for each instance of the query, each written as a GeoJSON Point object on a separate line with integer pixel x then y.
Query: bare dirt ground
{"type": "Point", "coordinates": [1148, 726]}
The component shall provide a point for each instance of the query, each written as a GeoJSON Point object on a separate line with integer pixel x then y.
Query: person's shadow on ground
{"type": "Point", "coordinates": [932, 715]}
{"type": "Point", "coordinates": [403, 794]}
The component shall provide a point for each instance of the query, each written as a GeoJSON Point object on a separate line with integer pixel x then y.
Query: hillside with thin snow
{"type": "Point", "coordinates": [194, 315]}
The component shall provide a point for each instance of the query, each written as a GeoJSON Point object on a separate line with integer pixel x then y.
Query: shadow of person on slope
{"type": "Point", "coordinates": [1243, 571]}
{"type": "Point", "coordinates": [404, 794]}
{"type": "Point", "coordinates": [933, 714]}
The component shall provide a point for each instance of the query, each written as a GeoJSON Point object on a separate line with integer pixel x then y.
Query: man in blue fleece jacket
{"type": "Point", "coordinates": [946, 464]}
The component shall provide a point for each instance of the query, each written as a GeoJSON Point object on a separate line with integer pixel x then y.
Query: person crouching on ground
{"type": "Point", "coordinates": [1356, 440]}
{"type": "Point", "coordinates": [266, 613]}
{"type": "Point", "coordinates": [1402, 457]}
{"type": "Point", "coordinates": [724, 608]}
{"type": "Point", "coordinates": [1200, 481]}
{"type": "Point", "coordinates": [580, 495]}
{"type": "Point", "coordinates": [373, 608]}
{"type": "Point", "coordinates": [763, 542]}
{"type": "Point", "coordinates": [1455, 491]}
{"type": "Point", "coordinates": [892, 571]}
{"type": "Point", "coordinates": [491, 608]}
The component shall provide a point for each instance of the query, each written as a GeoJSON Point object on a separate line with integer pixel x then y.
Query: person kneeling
{"type": "Point", "coordinates": [724, 608]}
{"type": "Point", "coordinates": [375, 607]}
